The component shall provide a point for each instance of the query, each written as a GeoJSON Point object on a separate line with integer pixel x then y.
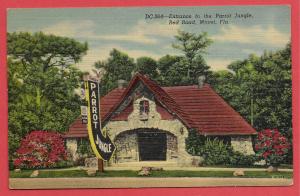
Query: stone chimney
{"type": "Point", "coordinates": [201, 80]}
{"type": "Point", "coordinates": [133, 74]}
{"type": "Point", "coordinates": [122, 84]}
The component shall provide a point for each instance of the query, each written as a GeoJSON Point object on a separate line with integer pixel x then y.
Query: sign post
{"type": "Point", "coordinates": [100, 142]}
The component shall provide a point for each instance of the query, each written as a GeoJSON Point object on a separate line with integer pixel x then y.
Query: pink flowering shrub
{"type": "Point", "coordinates": [40, 149]}
{"type": "Point", "coordinates": [272, 146]}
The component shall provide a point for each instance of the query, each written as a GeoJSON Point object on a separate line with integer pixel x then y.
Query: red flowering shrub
{"type": "Point", "coordinates": [272, 146]}
{"type": "Point", "coordinates": [40, 149]}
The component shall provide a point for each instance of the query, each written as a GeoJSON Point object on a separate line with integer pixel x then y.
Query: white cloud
{"type": "Point", "coordinates": [70, 28]}
{"type": "Point", "coordinates": [102, 53]}
{"type": "Point", "coordinates": [251, 51]}
{"type": "Point", "coordinates": [139, 38]}
{"type": "Point", "coordinates": [93, 55]}
{"type": "Point", "coordinates": [218, 64]}
{"type": "Point", "coordinates": [139, 53]}
{"type": "Point", "coordinates": [142, 32]}
{"type": "Point", "coordinates": [252, 34]}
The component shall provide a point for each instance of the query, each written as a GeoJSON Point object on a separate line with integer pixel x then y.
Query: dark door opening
{"type": "Point", "coordinates": [152, 146]}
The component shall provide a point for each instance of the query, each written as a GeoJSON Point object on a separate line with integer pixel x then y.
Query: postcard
{"type": "Point", "coordinates": [147, 97]}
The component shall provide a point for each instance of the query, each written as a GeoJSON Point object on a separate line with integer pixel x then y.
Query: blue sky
{"type": "Point", "coordinates": [127, 30]}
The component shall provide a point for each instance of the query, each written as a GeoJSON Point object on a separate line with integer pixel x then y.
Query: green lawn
{"type": "Point", "coordinates": [282, 166]}
{"type": "Point", "coordinates": [164, 174]}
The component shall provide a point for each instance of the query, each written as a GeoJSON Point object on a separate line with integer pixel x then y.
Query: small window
{"type": "Point", "coordinates": [144, 107]}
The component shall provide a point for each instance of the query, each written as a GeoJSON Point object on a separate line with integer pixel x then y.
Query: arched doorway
{"type": "Point", "coordinates": [152, 145]}
{"type": "Point", "coordinates": [145, 145]}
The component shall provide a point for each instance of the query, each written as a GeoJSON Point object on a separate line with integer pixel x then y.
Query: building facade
{"type": "Point", "coordinates": [151, 123]}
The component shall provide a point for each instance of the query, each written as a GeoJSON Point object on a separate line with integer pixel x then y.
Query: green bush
{"type": "Point", "coordinates": [239, 159]}
{"type": "Point", "coordinates": [215, 152]}
{"type": "Point", "coordinates": [84, 151]}
{"type": "Point", "coordinates": [195, 142]}
{"type": "Point", "coordinates": [11, 164]}
{"type": "Point", "coordinates": [64, 164]}
{"type": "Point", "coordinates": [84, 148]}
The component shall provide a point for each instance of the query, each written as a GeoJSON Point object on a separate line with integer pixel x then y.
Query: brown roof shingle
{"type": "Point", "coordinates": [210, 114]}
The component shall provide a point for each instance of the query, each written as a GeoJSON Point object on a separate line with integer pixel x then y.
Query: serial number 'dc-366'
{"type": "Point", "coordinates": [100, 142]}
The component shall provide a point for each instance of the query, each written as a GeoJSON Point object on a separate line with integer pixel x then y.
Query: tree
{"type": "Point", "coordinates": [169, 70]}
{"type": "Point", "coordinates": [42, 83]}
{"type": "Point", "coordinates": [193, 64]}
{"type": "Point", "coordinates": [148, 66]}
{"type": "Point", "coordinates": [185, 70]}
{"type": "Point", "coordinates": [260, 89]}
{"type": "Point", "coordinates": [265, 80]}
{"type": "Point", "coordinates": [45, 50]}
{"type": "Point", "coordinates": [168, 73]}
{"type": "Point", "coordinates": [165, 62]}
{"type": "Point", "coordinates": [118, 66]}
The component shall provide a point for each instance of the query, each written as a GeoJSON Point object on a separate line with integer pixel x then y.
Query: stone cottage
{"type": "Point", "coordinates": [151, 123]}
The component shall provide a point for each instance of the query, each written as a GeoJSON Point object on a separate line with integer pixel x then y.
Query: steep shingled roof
{"type": "Point", "coordinates": [210, 114]}
{"type": "Point", "coordinates": [202, 109]}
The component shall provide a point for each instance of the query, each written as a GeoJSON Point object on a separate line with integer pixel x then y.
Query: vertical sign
{"type": "Point", "coordinates": [100, 142]}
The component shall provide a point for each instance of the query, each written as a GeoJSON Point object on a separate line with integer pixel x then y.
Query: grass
{"type": "Point", "coordinates": [159, 174]}
{"type": "Point", "coordinates": [282, 166]}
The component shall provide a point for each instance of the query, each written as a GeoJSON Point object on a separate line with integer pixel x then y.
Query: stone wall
{"type": "Point", "coordinates": [242, 144]}
{"type": "Point", "coordinates": [175, 128]}
{"type": "Point", "coordinates": [71, 145]}
{"type": "Point", "coordinates": [126, 147]}
{"type": "Point", "coordinates": [172, 147]}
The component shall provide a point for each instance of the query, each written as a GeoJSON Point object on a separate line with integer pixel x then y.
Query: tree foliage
{"type": "Point", "coordinates": [42, 83]}
{"type": "Point", "coordinates": [44, 50]}
{"type": "Point", "coordinates": [265, 81]}
{"type": "Point", "coordinates": [260, 89]}
{"type": "Point", "coordinates": [168, 70]}
{"type": "Point", "coordinates": [147, 65]}
{"type": "Point", "coordinates": [192, 65]}
{"type": "Point", "coordinates": [118, 66]}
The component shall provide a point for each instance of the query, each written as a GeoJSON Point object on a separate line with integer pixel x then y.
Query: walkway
{"type": "Point", "coordinates": [60, 183]}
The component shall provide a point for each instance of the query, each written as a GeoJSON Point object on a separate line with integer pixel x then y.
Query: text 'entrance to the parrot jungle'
{"type": "Point", "coordinates": [152, 146]}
